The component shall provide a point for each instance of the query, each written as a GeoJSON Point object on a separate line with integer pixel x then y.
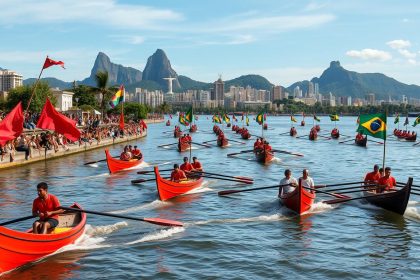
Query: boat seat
{"type": "Point", "coordinates": [68, 219]}
{"type": "Point", "coordinates": [60, 230]}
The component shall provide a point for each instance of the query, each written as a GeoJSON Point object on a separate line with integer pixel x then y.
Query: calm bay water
{"type": "Point", "coordinates": [243, 236]}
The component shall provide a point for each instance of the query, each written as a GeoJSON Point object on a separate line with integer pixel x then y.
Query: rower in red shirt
{"type": "Point", "coordinates": [46, 207]}
{"type": "Point", "coordinates": [388, 181]}
{"type": "Point", "coordinates": [197, 165]}
{"type": "Point", "coordinates": [186, 166]}
{"type": "Point", "coordinates": [374, 176]}
{"type": "Point", "coordinates": [125, 155]}
{"type": "Point", "coordinates": [136, 153]}
{"type": "Point", "coordinates": [267, 146]}
{"type": "Point", "coordinates": [177, 174]}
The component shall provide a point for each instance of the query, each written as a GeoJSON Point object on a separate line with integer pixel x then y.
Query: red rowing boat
{"type": "Point", "coordinates": [168, 189]}
{"type": "Point", "coordinates": [183, 146]}
{"type": "Point", "coordinates": [18, 248]}
{"type": "Point", "coordinates": [335, 133]}
{"type": "Point", "coordinates": [299, 200]}
{"type": "Point", "coordinates": [222, 142]}
{"type": "Point", "coordinates": [263, 155]}
{"type": "Point", "coordinates": [115, 165]}
{"type": "Point", "coordinates": [293, 131]}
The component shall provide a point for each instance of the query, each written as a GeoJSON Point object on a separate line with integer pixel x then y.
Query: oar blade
{"type": "Point", "coordinates": [163, 222]}
{"type": "Point", "coordinates": [338, 200]}
{"type": "Point", "coordinates": [137, 181]}
{"type": "Point", "coordinates": [227, 192]}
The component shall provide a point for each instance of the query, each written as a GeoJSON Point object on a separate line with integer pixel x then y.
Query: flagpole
{"type": "Point", "coordinates": [383, 159]}
{"type": "Point", "coordinates": [33, 90]}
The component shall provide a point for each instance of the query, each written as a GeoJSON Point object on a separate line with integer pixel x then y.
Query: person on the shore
{"type": "Point", "coordinates": [177, 174]}
{"type": "Point", "coordinates": [46, 207]}
{"type": "Point", "coordinates": [387, 181]}
{"type": "Point", "coordinates": [197, 165]}
{"type": "Point", "coordinates": [307, 181]}
{"type": "Point", "coordinates": [287, 180]}
{"type": "Point", "coordinates": [373, 177]}
{"type": "Point", "coordinates": [23, 145]}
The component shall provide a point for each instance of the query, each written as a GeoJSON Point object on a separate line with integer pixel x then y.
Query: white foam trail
{"type": "Point", "coordinates": [276, 160]}
{"type": "Point", "coordinates": [152, 205]}
{"type": "Point", "coordinates": [93, 165]}
{"type": "Point", "coordinates": [412, 212]}
{"type": "Point", "coordinates": [412, 202]}
{"type": "Point", "coordinates": [265, 218]}
{"type": "Point", "coordinates": [162, 234]}
{"type": "Point", "coordinates": [320, 207]}
{"type": "Point", "coordinates": [104, 230]}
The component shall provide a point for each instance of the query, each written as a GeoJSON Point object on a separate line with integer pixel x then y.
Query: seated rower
{"type": "Point", "coordinates": [177, 174]}
{"type": "Point", "coordinates": [125, 155]}
{"type": "Point", "coordinates": [288, 179]}
{"type": "Point", "coordinates": [307, 181]}
{"type": "Point", "coordinates": [137, 153]}
{"type": "Point", "coordinates": [373, 177]}
{"type": "Point", "coordinates": [267, 146]}
{"type": "Point", "coordinates": [197, 165]}
{"type": "Point", "coordinates": [359, 136]}
{"type": "Point", "coordinates": [387, 181]}
{"type": "Point", "coordinates": [187, 166]}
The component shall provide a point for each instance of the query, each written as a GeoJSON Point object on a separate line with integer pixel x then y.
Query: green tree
{"type": "Point", "coordinates": [23, 93]}
{"type": "Point", "coordinates": [134, 111]}
{"type": "Point", "coordinates": [102, 88]}
{"type": "Point", "coordinates": [85, 96]}
{"type": "Point", "coordinates": [164, 108]}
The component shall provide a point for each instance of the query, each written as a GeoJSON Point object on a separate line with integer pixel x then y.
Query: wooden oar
{"type": "Point", "coordinates": [328, 138]}
{"type": "Point", "coordinates": [375, 141]}
{"type": "Point", "coordinates": [416, 143]}
{"type": "Point", "coordinates": [415, 193]}
{"type": "Point", "coordinates": [232, 140]}
{"type": "Point", "coordinates": [17, 220]}
{"type": "Point", "coordinates": [209, 141]}
{"type": "Point", "coordinates": [302, 136]}
{"type": "Point", "coordinates": [227, 176]}
{"type": "Point", "coordinates": [287, 152]}
{"type": "Point", "coordinates": [361, 188]}
{"type": "Point", "coordinates": [207, 146]}
{"type": "Point", "coordinates": [152, 171]}
{"type": "Point", "coordinates": [224, 179]}
{"type": "Point", "coordinates": [160, 146]}
{"type": "Point", "coordinates": [241, 152]}
{"type": "Point", "coordinates": [341, 184]}
{"type": "Point", "coordinates": [284, 133]}
{"type": "Point", "coordinates": [91, 162]}
{"type": "Point", "coordinates": [137, 181]}
{"type": "Point", "coordinates": [340, 200]}
{"type": "Point", "coordinates": [156, 221]}
{"type": "Point", "coordinates": [248, 190]}
{"type": "Point", "coordinates": [341, 142]}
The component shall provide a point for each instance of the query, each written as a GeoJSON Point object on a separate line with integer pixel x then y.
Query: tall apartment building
{"type": "Point", "coordinates": [151, 98]}
{"type": "Point", "coordinates": [316, 88]}
{"type": "Point", "coordinates": [9, 80]}
{"type": "Point", "coordinates": [311, 89]}
{"type": "Point", "coordinates": [276, 93]}
{"type": "Point", "coordinates": [370, 98]}
{"type": "Point", "coordinates": [219, 92]}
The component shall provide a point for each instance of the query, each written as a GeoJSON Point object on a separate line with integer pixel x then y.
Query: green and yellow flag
{"type": "Point", "coordinates": [334, 118]}
{"type": "Point", "coordinates": [293, 118]}
{"type": "Point", "coordinates": [397, 119]}
{"type": "Point", "coordinates": [247, 120]}
{"type": "Point", "coordinates": [226, 118]}
{"type": "Point", "coordinates": [216, 119]}
{"type": "Point", "coordinates": [417, 121]}
{"type": "Point", "coordinates": [373, 125]}
{"type": "Point", "coordinates": [182, 120]}
{"type": "Point", "coordinates": [316, 118]}
{"type": "Point", "coordinates": [260, 118]}
{"type": "Point", "coordinates": [189, 115]}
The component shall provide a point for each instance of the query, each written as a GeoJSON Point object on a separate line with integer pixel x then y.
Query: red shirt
{"type": "Point", "coordinates": [388, 182]}
{"type": "Point", "coordinates": [197, 165]}
{"type": "Point", "coordinates": [373, 177]}
{"type": "Point", "coordinates": [125, 156]}
{"type": "Point", "coordinates": [136, 152]}
{"type": "Point", "coordinates": [186, 166]}
{"type": "Point", "coordinates": [51, 203]}
{"type": "Point", "coordinates": [177, 175]}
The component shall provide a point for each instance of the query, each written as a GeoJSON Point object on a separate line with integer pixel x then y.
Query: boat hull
{"type": "Point", "coordinates": [115, 165]}
{"type": "Point", "coordinates": [183, 146]}
{"type": "Point", "coordinates": [168, 189]}
{"type": "Point", "coordinates": [335, 134]}
{"type": "Point", "coordinates": [177, 134]}
{"type": "Point", "coordinates": [18, 248]}
{"type": "Point", "coordinates": [263, 156]}
{"type": "Point", "coordinates": [361, 143]}
{"type": "Point", "coordinates": [395, 201]}
{"type": "Point", "coordinates": [222, 142]}
{"type": "Point", "coordinates": [299, 200]}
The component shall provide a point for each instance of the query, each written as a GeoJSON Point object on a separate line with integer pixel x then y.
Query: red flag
{"type": "Point", "coordinates": [49, 62]}
{"type": "Point", "coordinates": [53, 120]}
{"type": "Point", "coordinates": [12, 125]}
{"type": "Point", "coordinates": [122, 120]}
{"type": "Point", "coordinates": [143, 125]}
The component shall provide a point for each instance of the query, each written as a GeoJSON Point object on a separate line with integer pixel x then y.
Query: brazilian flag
{"type": "Point", "coordinates": [373, 125]}
{"type": "Point", "coordinates": [182, 120]}
{"type": "Point", "coordinates": [397, 119]}
{"type": "Point", "coordinates": [316, 118]}
{"type": "Point", "coordinates": [260, 118]}
{"type": "Point", "coordinates": [226, 118]}
{"type": "Point", "coordinates": [247, 120]}
{"type": "Point", "coordinates": [189, 115]}
{"type": "Point", "coordinates": [293, 119]}
{"type": "Point", "coordinates": [417, 121]}
{"type": "Point", "coordinates": [216, 119]}
{"type": "Point", "coordinates": [334, 118]}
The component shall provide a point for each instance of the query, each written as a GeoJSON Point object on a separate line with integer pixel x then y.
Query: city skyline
{"type": "Point", "coordinates": [284, 42]}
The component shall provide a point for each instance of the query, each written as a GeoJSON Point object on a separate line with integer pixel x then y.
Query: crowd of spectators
{"type": "Point", "coordinates": [92, 129]}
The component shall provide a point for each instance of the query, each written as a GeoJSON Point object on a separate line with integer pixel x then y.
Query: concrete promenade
{"type": "Point", "coordinates": [40, 155]}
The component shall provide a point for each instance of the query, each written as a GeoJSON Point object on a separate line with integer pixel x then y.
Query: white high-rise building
{"type": "Point", "coordinates": [311, 89]}
{"type": "Point", "coordinates": [316, 88]}
{"type": "Point", "coordinates": [9, 80]}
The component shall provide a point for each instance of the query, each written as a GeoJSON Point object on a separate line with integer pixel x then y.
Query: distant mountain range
{"type": "Point", "coordinates": [335, 79]}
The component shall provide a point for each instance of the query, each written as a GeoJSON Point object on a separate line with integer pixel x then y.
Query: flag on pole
{"type": "Point", "coordinates": [260, 118]}
{"type": "Point", "coordinates": [292, 118]}
{"type": "Point", "coordinates": [373, 125]}
{"type": "Point", "coordinates": [170, 116]}
{"type": "Point", "coordinates": [49, 62]}
{"type": "Point", "coordinates": [417, 121]}
{"type": "Point", "coordinates": [118, 97]}
{"type": "Point", "coordinates": [216, 119]}
{"type": "Point", "coordinates": [12, 125]}
{"type": "Point", "coordinates": [121, 120]}
{"type": "Point", "coordinates": [358, 119]}
{"type": "Point", "coordinates": [316, 118]}
{"type": "Point", "coordinates": [189, 115]}
{"type": "Point", "coordinates": [334, 118]}
{"type": "Point", "coordinates": [234, 118]}
{"type": "Point", "coordinates": [247, 120]}
{"type": "Point", "coordinates": [406, 121]}
{"type": "Point", "coordinates": [226, 118]}
{"type": "Point", "coordinates": [182, 120]}
{"type": "Point", "coordinates": [52, 120]}
{"type": "Point", "coordinates": [397, 119]}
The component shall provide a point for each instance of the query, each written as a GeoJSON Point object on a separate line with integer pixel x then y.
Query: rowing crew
{"type": "Point", "coordinates": [261, 144]}
{"type": "Point", "coordinates": [179, 172]}
{"type": "Point", "coordinates": [289, 183]}
{"type": "Point", "coordinates": [379, 177]}
{"type": "Point", "coordinates": [130, 153]}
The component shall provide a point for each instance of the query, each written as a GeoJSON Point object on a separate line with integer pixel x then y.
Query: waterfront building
{"type": "Point", "coordinates": [9, 80]}
{"type": "Point", "coordinates": [277, 93]}
{"type": "Point", "coordinates": [150, 98]}
{"type": "Point", "coordinates": [64, 99]}
{"type": "Point", "coordinates": [370, 98]}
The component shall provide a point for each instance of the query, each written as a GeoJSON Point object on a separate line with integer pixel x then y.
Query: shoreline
{"type": "Point", "coordinates": [41, 155]}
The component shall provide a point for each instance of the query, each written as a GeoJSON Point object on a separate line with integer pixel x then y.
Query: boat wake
{"type": "Point", "coordinates": [276, 160]}
{"type": "Point", "coordinates": [161, 234]}
{"type": "Point", "coordinates": [264, 218]}
{"type": "Point", "coordinates": [411, 212]}
{"type": "Point", "coordinates": [319, 207]}
{"type": "Point", "coordinates": [151, 205]}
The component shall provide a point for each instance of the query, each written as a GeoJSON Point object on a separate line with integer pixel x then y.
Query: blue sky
{"type": "Point", "coordinates": [284, 41]}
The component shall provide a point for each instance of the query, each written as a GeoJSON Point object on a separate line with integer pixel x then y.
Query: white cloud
{"type": "Point", "coordinates": [412, 61]}
{"type": "Point", "coordinates": [399, 44]}
{"type": "Point", "coordinates": [100, 12]}
{"type": "Point", "coordinates": [314, 6]}
{"type": "Point", "coordinates": [129, 39]}
{"type": "Point", "coordinates": [407, 54]}
{"type": "Point", "coordinates": [370, 54]}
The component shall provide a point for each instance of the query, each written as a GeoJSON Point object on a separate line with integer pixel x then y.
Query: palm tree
{"type": "Point", "coordinates": [102, 88]}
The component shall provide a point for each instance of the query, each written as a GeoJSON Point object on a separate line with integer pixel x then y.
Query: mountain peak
{"type": "Point", "coordinates": [159, 67]}
{"type": "Point", "coordinates": [335, 64]}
